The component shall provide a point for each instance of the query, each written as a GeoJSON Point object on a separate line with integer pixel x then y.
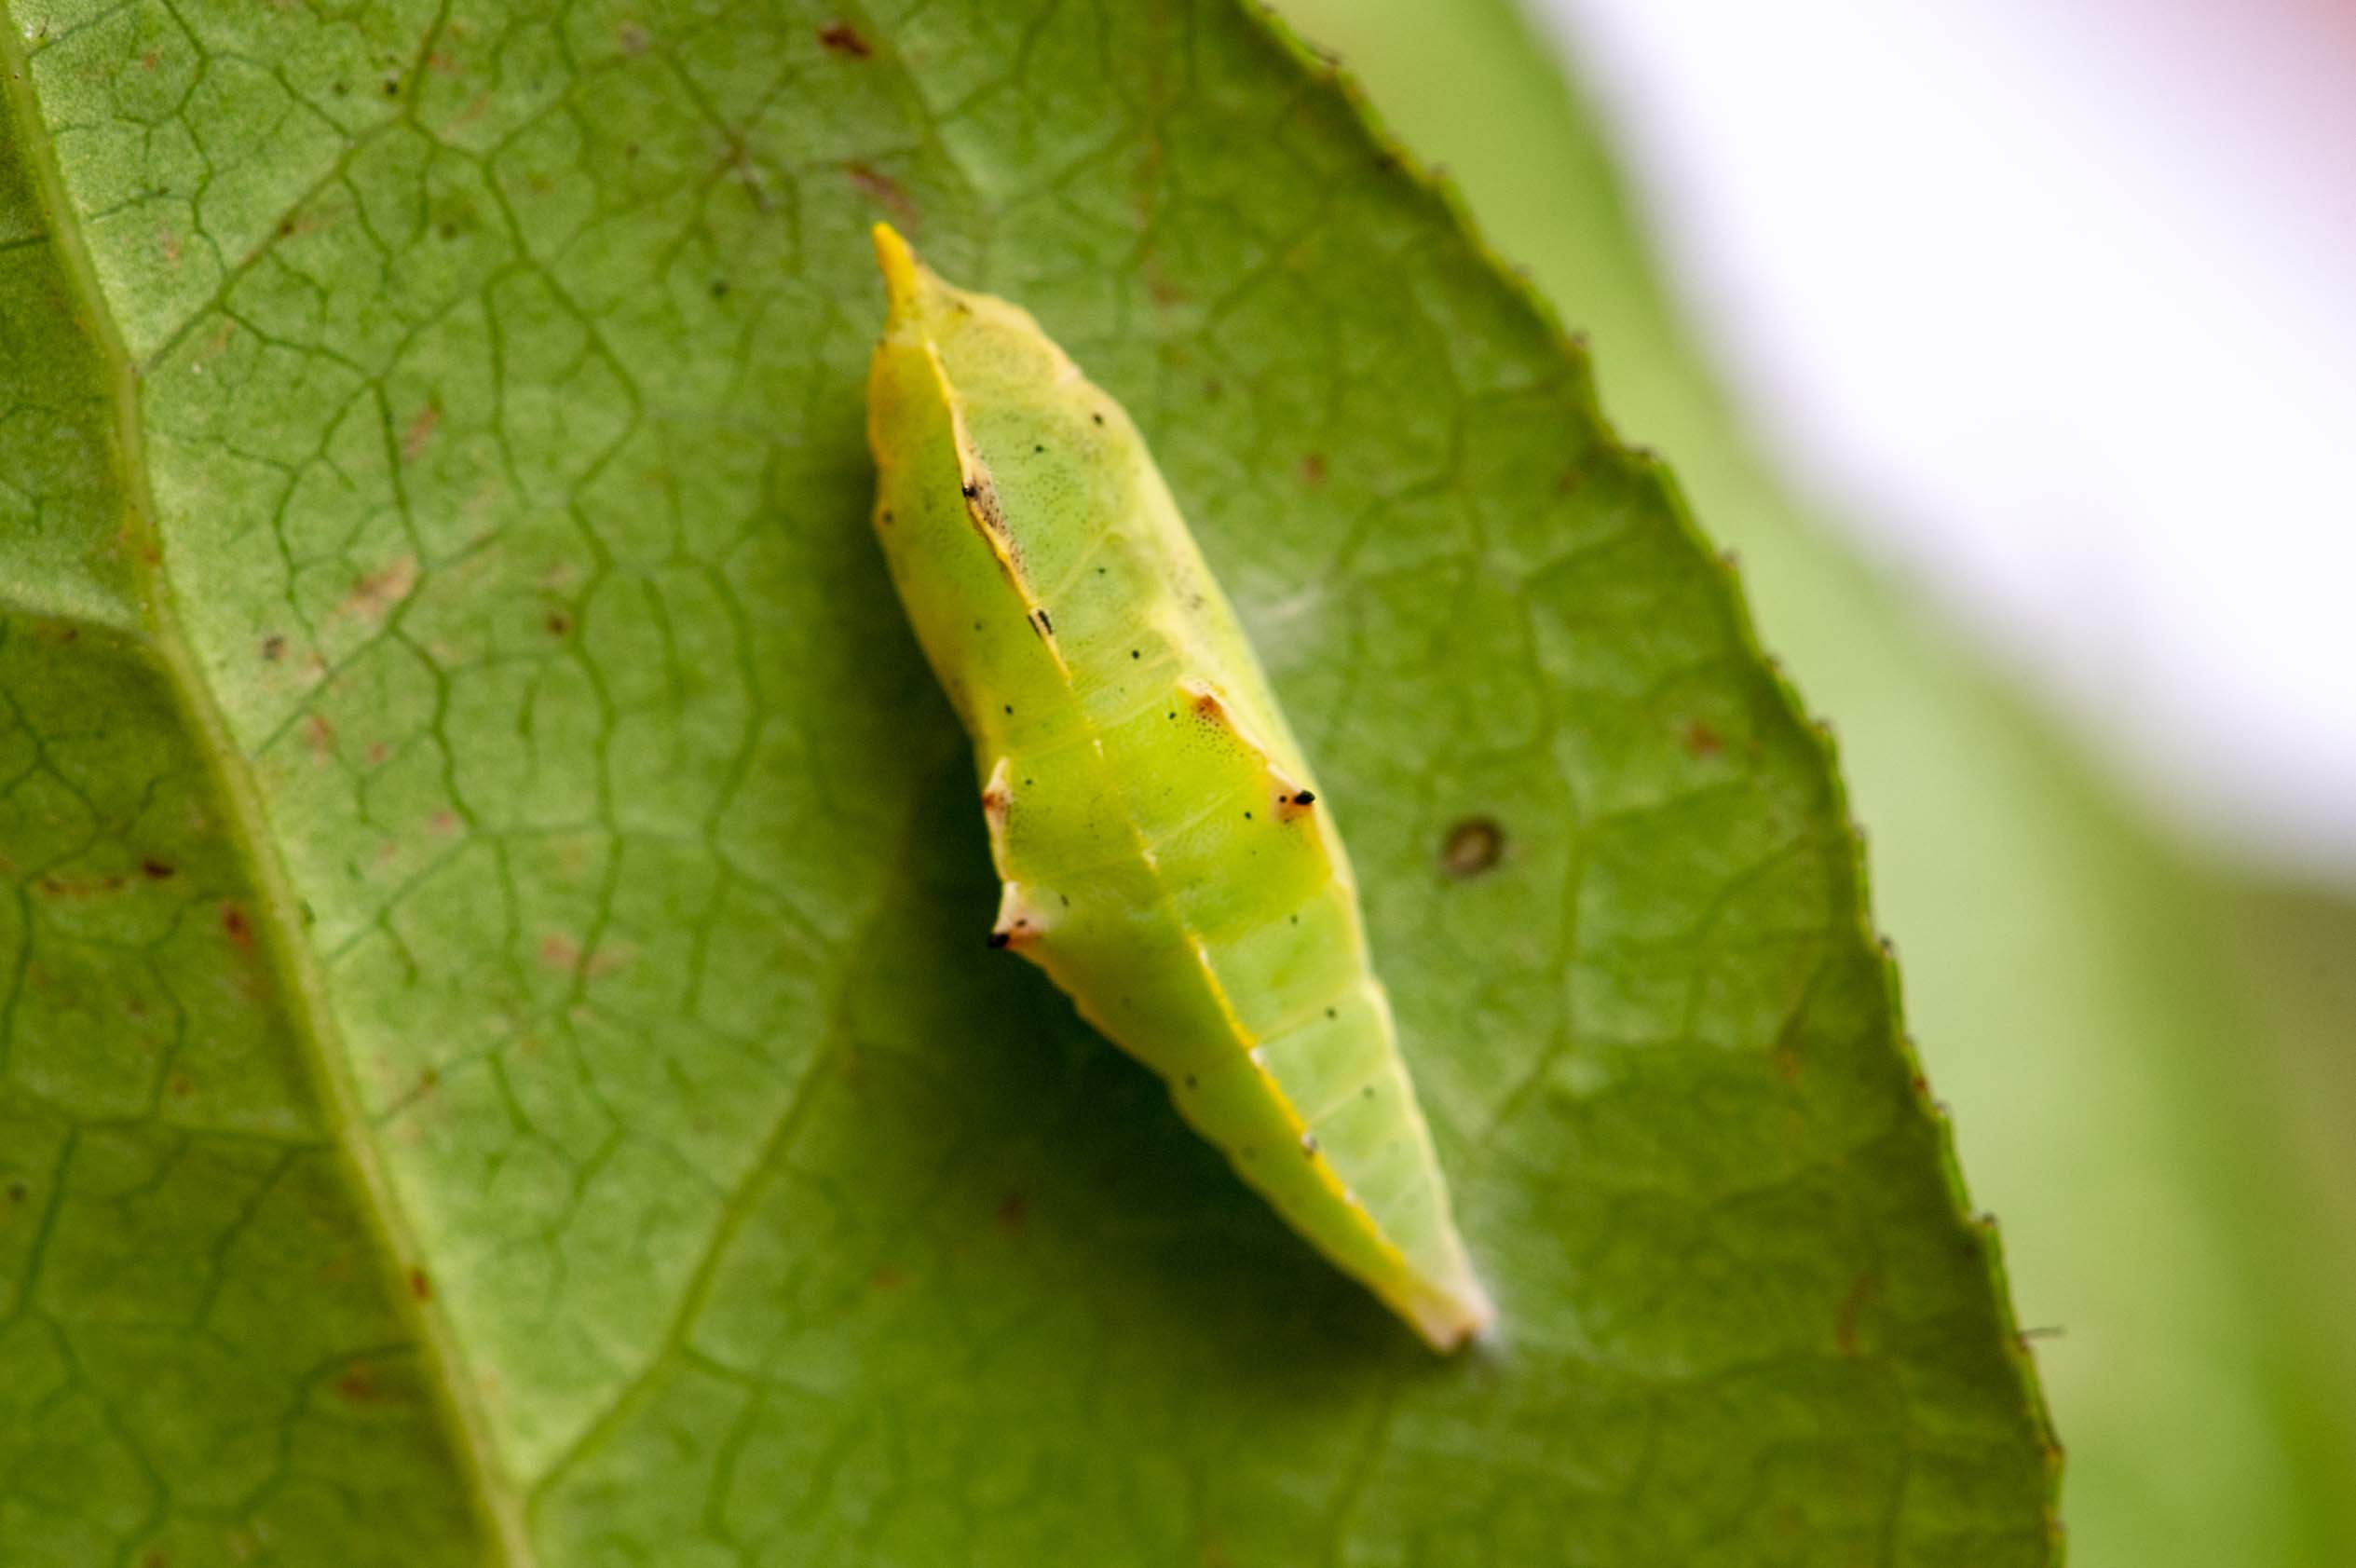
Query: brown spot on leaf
{"type": "Point", "coordinates": [60, 887]}
{"type": "Point", "coordinates": [888, 1277]}
{"type": "Point", "coordinates": [1313, 469]}
{"type": "Point", "coordinates": [319, 735]}
{"type": "Point", "coordinates": [1158, 284]}
{"type": "Point", "coordinates": [1703, 741]}
{"type": "Point", "coordinates": [358, 1385]}
{"type": "Point", "coordinates": [374, 594]}
{"type": "Point", "coordinates": [442, 824]}
{"type": "Point", "coordinates": [420, 1285]}
{"type": "Point", "coordinates": [156, 870]}
{"type": "Point", "coordinates": [273, 648]}
{"type": "Point", "coordinates": [1473, 846]}
{"type": "Point", "coordinates": [882, 189]}
{"type": "Point", "coordinates": [421, 431]}
{"type": "Point", "coordinates": [843, 39]}
{"type": "Point", "coordinates": [562, 953]}
{"type": "Point", "coordinates": [235, 925]}
{"type": "Point", "coordinates": [635, 39]}
{"type": "Point", "coordinates": [1861, 1294]}
{"type": "Point", "coordinates": [1014, 1209]}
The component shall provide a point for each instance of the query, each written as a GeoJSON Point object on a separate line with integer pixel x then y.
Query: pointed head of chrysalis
{"type": "Point", "coordinates": [982, 343]}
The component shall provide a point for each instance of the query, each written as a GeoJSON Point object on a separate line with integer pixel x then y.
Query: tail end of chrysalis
{"type": "Point", "coordinates": [1451, 1316]}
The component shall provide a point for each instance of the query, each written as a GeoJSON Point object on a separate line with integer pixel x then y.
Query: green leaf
{"type": "Point", "coordinates": [501, 1062]}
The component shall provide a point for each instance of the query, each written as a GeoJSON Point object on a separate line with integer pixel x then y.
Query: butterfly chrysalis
{"type": "Point", "coordinates": [1167, 856]}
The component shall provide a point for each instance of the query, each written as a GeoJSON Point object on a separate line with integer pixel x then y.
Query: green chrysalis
{"type": "Point", "coordinates": [1167, 856]}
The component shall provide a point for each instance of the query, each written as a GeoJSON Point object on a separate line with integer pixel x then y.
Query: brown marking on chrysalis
{"type": "Point", "coordinates": [1041, 625]}
{"type": "Point", "coordinates": [982, 503]}
{"type": "Point", "coordinates": [1292, 801]}
{"type": "Point", "coordinates": [998, 799]}
{"type": "Point", "coordinates": [983, 510]}
{"type": "Point", "coordinates": [1021, 922]}
{"type": "Point", "coordinates": [1019, 935]}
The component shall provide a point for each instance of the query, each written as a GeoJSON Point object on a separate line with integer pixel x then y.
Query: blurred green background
{"type": "Point", "coordinates": [2148, 1054]}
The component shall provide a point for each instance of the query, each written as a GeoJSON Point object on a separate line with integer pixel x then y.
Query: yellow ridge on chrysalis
{"type": "Point", "coordinates": [1165, 854]}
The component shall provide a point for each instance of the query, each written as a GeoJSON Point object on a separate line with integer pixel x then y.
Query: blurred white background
{"type": "Point", "coordinates": [2056, 304]}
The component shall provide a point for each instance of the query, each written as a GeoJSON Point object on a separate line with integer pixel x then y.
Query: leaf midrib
{"type": "Point", "coordinates": [277, 926]}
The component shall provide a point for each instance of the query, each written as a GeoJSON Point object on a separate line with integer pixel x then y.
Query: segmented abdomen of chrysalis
{"type": "Point", "coordinates": [1167, 856]}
